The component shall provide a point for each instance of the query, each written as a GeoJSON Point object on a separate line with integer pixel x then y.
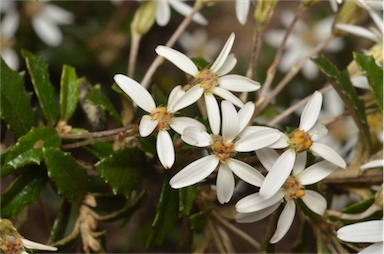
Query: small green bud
{"type": "Point", "coordinates": [308, 3]}
{"type": "Point", "coordinates": [144, 18]}
{"type": "Point", "coordinates": [264, 11]}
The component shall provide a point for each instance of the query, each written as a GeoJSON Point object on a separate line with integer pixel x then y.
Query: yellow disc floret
{"type": "Point", "coordinates": [293, 188]}
{"type": "Point", "coordinates": [162, 115]}
{"type": "Point", "coordinates": [208, 80]}
{"type": "Point", "coordinates": [223, 150]}
{"type": "Point", "coordinates": [300, 141]}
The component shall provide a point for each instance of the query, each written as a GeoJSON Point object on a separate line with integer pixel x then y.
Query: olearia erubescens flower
{"type": "Point", "coordinates": [160, 118]}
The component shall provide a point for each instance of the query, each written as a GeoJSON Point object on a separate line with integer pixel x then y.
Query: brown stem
{"type": "Point", "coordinates": [98, 134]}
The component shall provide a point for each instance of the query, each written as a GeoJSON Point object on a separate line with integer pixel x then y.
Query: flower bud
{"type": "Point", "coordinates": [264, 11]}
{"type": "Point", "coordinates": [144, 18]}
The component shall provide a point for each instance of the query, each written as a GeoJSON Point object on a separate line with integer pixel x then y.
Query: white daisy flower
{"type": "Point", "coordinates": [46, 19]}
{"type": "Point", "coordinates": [161, 118]}
{"type": "Point", "coordinates": [222, 150]}
{"type": "Point", "coordinates": [302, 40]}
{"type": "Point", "coordinates": [8, 27]}
{"type": "Point", "coordinates": [212, 81]}
{"type": "Point", "coordinates": [254, 207]}
{"type": "Point", "coordinates": [242, 9]}
{"type": "Point", "coordinates": [299, 141]}
{"type": "Point", "coordinates": [163, 11]}
{"type": "Point", "coordinates": [364, 232]}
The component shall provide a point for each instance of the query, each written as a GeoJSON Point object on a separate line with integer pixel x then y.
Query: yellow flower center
{"type": "Point", "coordinates": [222, 149]}
{"type": "Point", "coordinates": [300, 141]}
{"type": "Point", "coordinates": [293, 188]}
{"type": "Point", "coordinates": [5, 43]}
{"type": "Point", "coordinates": [11, 244]}
{"type": "Point", "coordinates": [162, 115]}
{"type": "Point", "coordinates": [208, 80]}
{"type": "Point", "coordinates": [375, 122]}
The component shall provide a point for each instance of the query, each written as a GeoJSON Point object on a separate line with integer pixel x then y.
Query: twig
{"type": "Point", "coordinates": [155, 64]}
{"type": "Point", "coordinates": [98, 134]}
{"type": "Point", "coordinates": [135, 44]}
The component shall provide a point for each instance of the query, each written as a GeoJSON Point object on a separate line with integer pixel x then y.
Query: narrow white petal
{"type": "Point", "coordinates": [10, 58]}
{"type": "Point", "coordinates": [317, 132]}
{"type": "Point", "coordinates": [213, 113]}
{"type": "Point", "coordinates": [177, 58]}
{"type": "Point", "coordinates": [230, 125]}
{"type": "Point", "coordinates": [359, 31]}
{"type": "Point", "coordinates": [37, 246]}
{"type": "Point", "coordinates": [245, 114]}
{"type": "Point", "coordinates": [316, 172]}
{"type": "Point", "coordinates": [196, 137]}
{"type": "Point", "coordinates": [137, 92]}
{"type": "Point", "coordinates": [176, 93]}
{"type": "Point", "coordinates": [315, 202]}
{"type": "Point", "coordinates": [362, 232]}
{"type": "Point", "coordinates": [254, 202]}
{"type": "Point", "coordinates": [226, 95]}
{"type": "Point", "coordinates": [165, 149]}
{"type": "Point", "coordinates": [285, 221]}
{"type": "Point", "coordinates": [282, 142]}
{"type": "Point", "coordinates": [245, 172]}
{"type": "Point", "coordinates": [311, 112]}
{"type": "Point", "coordinates": [9, 24]}
{"type": "Point", "coordinates": [328, 154]}
{"type": "Point", "coordinates": [310, 70]}
{"type": "Point", "coordinates": [223, 54]}
{"type": "Point", "coordinates": [227, 66]}
{"type": "Point", "coordinates": [225, 184]}
{"type": "Point", "coordinates": [48, 32]}
{"type": "Point", "coordinates": [256, 140]}
{"type": "Point", "coordinates": [255, 216]}
{"type": "Point", "coordinates": [242, 9]}
{"type": "Point", "coordinates": [185, 10]}
{"type": "Point", "coordinates": [194, 172]}
{"type": "Point", "coordinates": [372, 164]}
{"type": "Point", "coordinates": [360, 82]}
{"type": "Point", "coordinates": [178, 124]}
{"type": "Point", "coordinates": [57, 14]}
{"type": "Point", "coordinates": [190, 97]}
{"type": "Point", "coordinates": [163, 12]}
{"type": "Point", "coordinates": [238, 83]}
{"type": "Point", "coordinates": [267, 157]}
{"type": "Point", "coordinates": [278, 174]}
{"type": "Point", "coordinates": [300, 162]}
{"type": "Point", "coordinates": [147, 125]}
{"type": "Point", "coordinates": [373, 248]}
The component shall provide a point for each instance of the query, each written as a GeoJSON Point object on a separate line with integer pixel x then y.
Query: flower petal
{"type": "Point", "coordinates": [256, 140]}
{"type": "Point", "coordinates": [137, 92]}
{"type": "Point", "coordinates": [317, 132]}
{"type": "Point", "coordinates": [196, 137]}
{"type": "Point", "coordinates": [226, 95]}
{"type": "Point", "coordinates": [57, 14]}
{"type": "Point", "coordinates": [147, 125]}
{"type": "Point", "coordinates": [300, 162]}
{"type": "Point", "coordinates": [165, 149]}
{"type": "Point", "coordinates": [362, 232]}
{"type": "Point", "coordinates": [178, 124]}
{"type": "Point", "coordinates": [255, 216]}
{"type": "Point", "coordinates": [328, 154]}
{"type": "Point", "coordinates": [225, 184]}
{"type": "Point", "coordinates": [373, 248]}
{"type": "Point", "coordinates": [285, 221]}
{"type": "Point", "coordinates": [254, 202]}
{"type": "Point", "coordinates": [190, 97]}
{"type": "Point", "coordinates": [163, 13]}
{"type": "Point", "coordinates": [47, 31]}
{"type": "Point", "coordinates": [185, 10]}
{"type": "Point", "coordinates": [230, 125]}
{"type": "Point", "coordinates": [194, 172]}
{"type": "Point", "coordinates": [176, 93]}
{"type": "Point", "coordinates": [245, 172]}
{"type": "Point", "coordinates": [372, 164]}
{"type": "Point", "coordinates": [242, 9]}
{"type": "Point", "coordinates": [9, 24]}
{"type": "Point", "coordinates": [223, 54]}
{"type": "Point", "coordinates": [245, 114]}
{"type": "Point", "coordinates": [267, 157]}
{"type": "Point", "coordinates": [311, 112]}
{"type": "Point", "coordinates": [177, 58]}
{"type": "Point", "coordinates": [238, 83]}
{"type": "Point", "coordinates": [316, 172]}
{"type": "Point", "coordinates": [359, 31]}
{"type": "Point", "coordinates": [227, 66]}
{"type": "Point", "coordinates": [315, 202]}
{"type": "Point", "coordinates": [278, 174]}
{"type": "Point", "coordinates": [213, 113]}
{"type": "Point", "coordinates": [37, 246]}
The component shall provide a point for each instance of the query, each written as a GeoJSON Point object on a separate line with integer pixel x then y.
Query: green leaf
{"type": "Point", "coordinates": [166, 215]}
{"type": "Point", "coordinates": [100, 150]}
{"type": "Point", "coordinates": [374, 73]}
{"type": "Point", "coordinates": [68, 175]}
{"type": "Point", "coordinates": [23, 191]}
{"type": "Point", "coordinates": [15, 101]}
{"type": "Point", "coordinates": [28, 148]}
{"type": "Point", "coordinates": [123, 170]}
{"type": "Point", "coordinates": [187, 198]}
{"type": "Point", "coordinates": [61, 222]}
{"type": "Point", "coordinates": [359, 207]}
{"type": "Point", "coordinates": [69, 92]}
{"type": "Point", "coordinates": [96, 97]}
{"type": "Point", "coordinates": [43, 88]}
{"type": "Point", "coordinates": [198, 221]}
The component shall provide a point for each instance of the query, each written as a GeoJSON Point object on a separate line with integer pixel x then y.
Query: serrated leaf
{"type": "Point", "coordinates": [100, 150]}
{"type": "Point", "coordinates": [28, 149]}
{"type": "Point", "coordinates": [23, 191]}
{"type": "Point", "coordinates": [42, 85]}
{"type": "Point", "coordinates": [123, 170]}
{"type": "Point", "coordinates": [96, 97]}
{"type": "Point", "coordinates": [166, 215]}
{"type": "Point", "coordinates": [374, 73]}
{"type": "Point", "coordinates": [187, 198]}
{"type": "Point", "coordinates": [68, 175]}
{"type": "Point", "coordinates": [15, 101]}
{"type": "Point", "coordinates": [69, 92]}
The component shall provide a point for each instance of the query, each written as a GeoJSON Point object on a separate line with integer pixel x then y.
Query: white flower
{"type": "Point", "coordinates": [301, 140]}
{"type": "Point", "coordinates": [222, 150]}
{"type": "Point", "coordinates": [212, 81]}
{"type": "Point", "coordinates": [242, 9]}
{"type": "Point", "coordinates": [254, 207]}
{"type": "Point", "coordinates": [45, 21]}
{"type": "Point", "coordinates": [196, 44]}
{"type": "Point", "coordinates": [302, 39]}
{"type": "Point", "coordinates": [364, 232]}
{"type": "Point", "coordinates": [8, 27]}
{"type": "Point", "coordinates": [163, 11]}
{"type": "Point", "coordinates": [161, 118]}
